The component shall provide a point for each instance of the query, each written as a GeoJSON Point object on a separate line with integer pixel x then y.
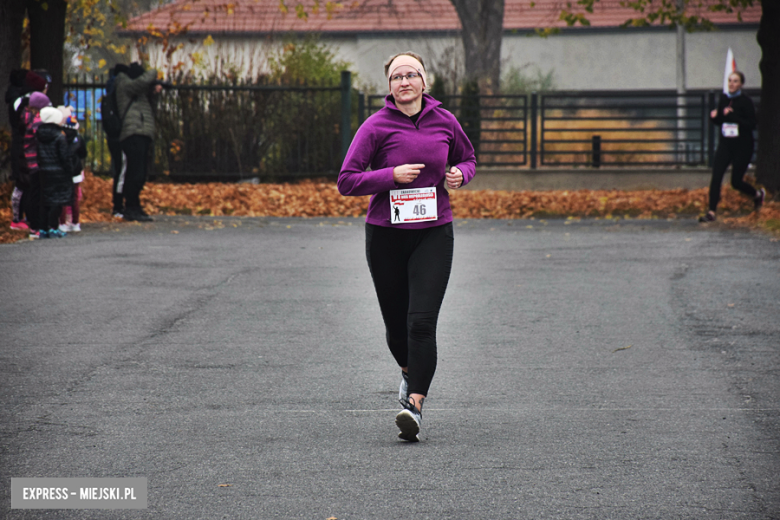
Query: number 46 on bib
{"type": "Point", "coordinates": [413, 205]}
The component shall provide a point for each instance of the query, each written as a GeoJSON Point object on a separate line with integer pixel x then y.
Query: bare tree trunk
{"type": "Point", "coordinates": [47, 40]}
{"type": "Point", "coordinates": [483, 28]}
{"type": "Point", "coordinates": [11, 18]}
{"type": "Point", "coordinates": [768, 162]}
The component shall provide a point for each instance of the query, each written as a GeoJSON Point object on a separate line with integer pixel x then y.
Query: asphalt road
{"type": "Point", "coordinates": [586, 370]}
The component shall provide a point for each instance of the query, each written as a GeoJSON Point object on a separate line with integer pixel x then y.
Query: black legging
{"type": "Point", "coordinates": [738, 154]}
{"type": "Point", "coordinates": [136, 149]}
{"type": "Point", "coordinates": [37, 218]}
{"type": "Point", "coordinates": [52, 214]}
{"type": "Point", "coordinates": [411, 268]}
{"type": "Point", "coordinates": [115, 148]}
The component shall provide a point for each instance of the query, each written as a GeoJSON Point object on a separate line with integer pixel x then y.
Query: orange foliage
{"type": "Point", "coordinates": [316, 198]}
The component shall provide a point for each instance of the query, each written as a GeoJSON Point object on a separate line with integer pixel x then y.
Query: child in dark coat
{"type": "Point", "coordinates": [69, 218]}
{"type": "Point", "coordinates": [56, 163]}
{"type": "Point", "coordinates": [29, 121]}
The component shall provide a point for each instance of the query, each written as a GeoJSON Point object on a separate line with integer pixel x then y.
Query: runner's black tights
{"type": "Point", "coordinates": [738, 155]}
{"type": "Point", "coordinates": [411, 268]}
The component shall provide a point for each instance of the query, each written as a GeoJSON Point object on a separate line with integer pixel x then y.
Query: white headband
{"type": "Point", "coordinates": [405, 59]}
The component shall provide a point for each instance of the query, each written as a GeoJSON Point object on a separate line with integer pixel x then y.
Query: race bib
{"type": "Point", "coordinates": [730, 130]}
{"type": "Point", "coordinates": [413, 205]}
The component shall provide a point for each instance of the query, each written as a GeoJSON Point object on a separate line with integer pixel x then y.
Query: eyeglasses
{"type": "Point", "coordinates": [397, 78]}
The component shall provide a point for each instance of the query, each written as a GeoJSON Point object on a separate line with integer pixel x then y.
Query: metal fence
{"type": "Point", "coordinates": [592, 129]}
{"type": "Point", "coordinates": [622, 128]}
{"type": "Point", "coordinates": [84, 92]}
{"type": "Point", "coordinates": [214, 132]}
{"type": "Point", "coordinates": [495, 125]}
{"type": "Point", "coordinates": [230, 132]}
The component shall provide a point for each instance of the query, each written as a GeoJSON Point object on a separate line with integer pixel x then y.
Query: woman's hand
{"type": "Point", "coordinates": [406, 173]}
{"type": "Point", "coordinates": [714, 114]}
{"type": "Point", "coordinates": [727, 110]}
{"type": "Point", "coordinates": [454, 178]}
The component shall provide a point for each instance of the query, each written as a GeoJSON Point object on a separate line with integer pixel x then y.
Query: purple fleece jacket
{"type": "Point", "coordinates": [388, 139]}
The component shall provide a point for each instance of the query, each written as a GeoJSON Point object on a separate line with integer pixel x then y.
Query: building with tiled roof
{"type": "Point", "coordinates": [364, 32]}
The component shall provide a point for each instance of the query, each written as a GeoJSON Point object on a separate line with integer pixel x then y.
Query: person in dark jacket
{"type": "Point", "coordinates": [133, 90]}
{"type": "Point", "coordinates": [736, 117]}
{"type": "Point", "coordinates": [56, 163]}
{"type": "Point", "coordinates": [407, 156]}
{"type": "Point", "coordinates": [29, 121]}
{"type": "Point", "coordinates": [14, 96]}
{"type": "Point", "coordinates": [17, 97]}
{"type": "Point", "coordinates": [16, 100]}
{"type": "Point", "coordinates": [115, 149]}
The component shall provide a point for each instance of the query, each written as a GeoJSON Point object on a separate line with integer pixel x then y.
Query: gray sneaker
{"type": "Point", "coordinates": [403, 391]}
{"type": "Point", "coordinates": [409, 420]}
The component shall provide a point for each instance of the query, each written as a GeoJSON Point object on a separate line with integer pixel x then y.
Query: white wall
{"type": "Point", "coordinates": [579, 60]}
{"type": "Point", "coordinates": [632, 59]}
{"type": "Point", "coordinates": [706, 57]}
{"type": "Point", "coordinates": [587, 60]}
{"type": "Point", "coordinates": [369, 54]}
{"type": "Point", "coordinates": [248, 56]}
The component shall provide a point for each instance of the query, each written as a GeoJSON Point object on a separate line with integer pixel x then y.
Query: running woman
{"type": "Point", "coordinates": [400, 156]}
{"type": "Point", "coordinates": [736, 117]}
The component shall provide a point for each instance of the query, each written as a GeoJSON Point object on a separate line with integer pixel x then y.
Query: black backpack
{"type": "Point", "coordinates": [109, 110]}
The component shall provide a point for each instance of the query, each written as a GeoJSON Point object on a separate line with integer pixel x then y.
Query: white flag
{"type": "Point", "coordinates": [731, 66]}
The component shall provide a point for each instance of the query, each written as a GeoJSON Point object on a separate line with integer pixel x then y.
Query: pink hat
{"type": "Point", "coordinates": [39, 101]}
{"type": "Point", "coordinates": [411, 61]}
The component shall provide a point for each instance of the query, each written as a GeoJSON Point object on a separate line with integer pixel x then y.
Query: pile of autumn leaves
{"type": "Point", "coordinates": [312, 198]}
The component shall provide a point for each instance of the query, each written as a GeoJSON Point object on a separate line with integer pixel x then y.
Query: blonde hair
{"type": "Point", "coordinates": [407, 53]}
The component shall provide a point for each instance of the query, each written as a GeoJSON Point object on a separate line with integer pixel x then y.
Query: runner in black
{"type": "Point", "coordinates": [736, 117]}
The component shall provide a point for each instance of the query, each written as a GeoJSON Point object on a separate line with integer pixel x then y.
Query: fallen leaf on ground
{"type": "Point", "coordinates": [320, 198]}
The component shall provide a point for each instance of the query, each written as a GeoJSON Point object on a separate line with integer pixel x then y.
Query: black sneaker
{"type": "Point", "coordinates": [707, 217]}
{"type": "Point", "coordinates": [409, 420]}
{"type": "Point", "coordinates": [759, 200]}
{"type": "Point", "coordinates": [136, 214]}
